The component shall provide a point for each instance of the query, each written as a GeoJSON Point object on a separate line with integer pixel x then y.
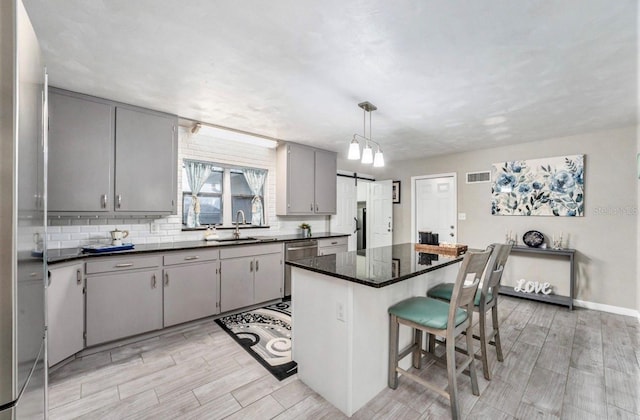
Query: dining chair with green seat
{"type": "Point", "coordinates": [442, 319]}
{"type": "Point", "coordinates": [486, 299]}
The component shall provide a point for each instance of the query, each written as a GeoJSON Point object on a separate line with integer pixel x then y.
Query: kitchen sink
{"type": "Point", "coordinates": [241, 239]}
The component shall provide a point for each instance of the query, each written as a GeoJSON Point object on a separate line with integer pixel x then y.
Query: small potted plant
{"type": "Point", "coordinates": [306, 229]}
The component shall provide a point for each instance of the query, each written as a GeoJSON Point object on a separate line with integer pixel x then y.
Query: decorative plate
{"type": "Point", "coordinates": [533, 238]}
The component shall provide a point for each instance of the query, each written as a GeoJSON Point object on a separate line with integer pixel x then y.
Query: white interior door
{"type": "Point", "coordinates": [434, 207]}
{"type": "Point", "coordinates": [380, 214]}
{"type": "Point", "coordinates": [344, 221]}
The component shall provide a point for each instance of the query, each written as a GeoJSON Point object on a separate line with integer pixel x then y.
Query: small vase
{"type": "Point", "coordinates": [306, 233]}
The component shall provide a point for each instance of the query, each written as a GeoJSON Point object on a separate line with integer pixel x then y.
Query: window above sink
{"type": "Point", "coordinates": [222, 190]}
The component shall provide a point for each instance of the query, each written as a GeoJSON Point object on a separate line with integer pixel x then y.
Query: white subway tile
{"type": "Point", "coordinates": [80, 236]}
{"type": "Point", "coordinates": [69, 244]}
{"type": "Point", "coordinates": [60, 236]}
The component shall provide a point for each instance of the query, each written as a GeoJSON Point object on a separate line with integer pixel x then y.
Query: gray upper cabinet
{"type": "Point", "coordinates": [325, 182]}
{"type": "Point", "coordinates": [146, 161]}
{"type": "Point", "coordinates": [306, 180]}
{"type": "Point", "coordinates": [301, 175]}
{"type": "Point", "coordinates": [107, 157]}
{"type": "Point", "coordinates": [80, 154]}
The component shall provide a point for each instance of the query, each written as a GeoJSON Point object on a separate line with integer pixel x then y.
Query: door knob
{"type": "Point", "coordinates": [452, 227]}
{"type": "Point", "coordinates": [451, 234]}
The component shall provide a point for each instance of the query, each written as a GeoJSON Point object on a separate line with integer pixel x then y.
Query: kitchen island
{"type": "Point", "coordinates": [340, 328]}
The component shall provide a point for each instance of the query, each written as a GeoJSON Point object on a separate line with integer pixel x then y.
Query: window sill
{"type": "Point", "coordinates": [186, 229]}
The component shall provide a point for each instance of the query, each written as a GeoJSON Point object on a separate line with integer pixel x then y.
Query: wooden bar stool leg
{"type": "Point", "coordinates": [432, 343]}
{"type": "Point", "coordinates": [417, 351]}
{"type": "Point", "coordinates": [472, 358]}
{"type": "Point", "coordinates": [450, 347]}
{"type": "Point", "coordinates": [483, 345]}
{"type": "Point", "coordinates": [496, 332]}
{"type": "Point", "coordinates": [393, 351]}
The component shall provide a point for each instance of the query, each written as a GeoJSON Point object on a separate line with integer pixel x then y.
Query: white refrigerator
{"type": "Point", "coordinates": [23, 112]}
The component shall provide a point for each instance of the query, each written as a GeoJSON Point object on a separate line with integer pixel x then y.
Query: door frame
{"type": "Point", "coordinates": [413, 200]}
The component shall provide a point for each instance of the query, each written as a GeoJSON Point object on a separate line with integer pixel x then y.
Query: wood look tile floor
{"type": "Point", "coordinates": [559, 364]}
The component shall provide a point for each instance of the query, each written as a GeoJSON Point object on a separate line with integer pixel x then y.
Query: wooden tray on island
{"type": "Point", "coordinates": [453, 250]}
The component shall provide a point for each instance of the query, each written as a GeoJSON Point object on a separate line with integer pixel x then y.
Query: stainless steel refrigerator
{"type": "Point", "coordinates": [23, 113]}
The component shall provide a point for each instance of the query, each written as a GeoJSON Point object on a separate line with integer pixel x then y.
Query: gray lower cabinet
{"type": "Point", "coordinates": [65, 311]}
{"type": "Point", "coordinates": [81, 144]}
{"type": "Point", "coordinates": [330, 246]}
{"type": "Point", "coordinates": [268, 276]}
{"type": "Point", "coordinates": [123, 304]}
{"type": "Point", "coordinates": [236, 283]}
{"type": "Point", "coordinates": [250, 275]}
{"type": "Point", "coordinates": [190, 292]}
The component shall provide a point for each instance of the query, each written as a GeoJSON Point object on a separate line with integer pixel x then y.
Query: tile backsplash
{"type": "Point", "coordinates": [68, 232]}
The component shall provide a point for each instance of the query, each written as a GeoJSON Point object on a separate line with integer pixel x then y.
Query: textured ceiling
{"type": "Point", "coordinates": [445, 75]}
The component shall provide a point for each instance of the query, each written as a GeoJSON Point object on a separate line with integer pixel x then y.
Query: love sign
{"type": "Point", "coordinates": [532, 287]}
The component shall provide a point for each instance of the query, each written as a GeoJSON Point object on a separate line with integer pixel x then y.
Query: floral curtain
{"type": "Point", "coordinates": [255, 178]}
{"type": "Point", "coordinates": [197, 175]}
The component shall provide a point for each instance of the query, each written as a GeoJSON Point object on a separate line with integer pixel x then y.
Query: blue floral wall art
{"type": "Point", "coordinates": [539, 187]}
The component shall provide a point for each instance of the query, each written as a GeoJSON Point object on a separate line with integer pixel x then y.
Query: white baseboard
{"type": "Point", "coordinates": [607, 308]}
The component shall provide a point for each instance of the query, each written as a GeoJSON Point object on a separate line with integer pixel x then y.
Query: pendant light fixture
{"type": "Point", "coordinates": [367, 152]}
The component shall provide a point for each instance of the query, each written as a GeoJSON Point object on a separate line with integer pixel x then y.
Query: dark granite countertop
{"type": "Point", "coordinates": [377, 267]}
{"type": "Point", "coordinates": [70, 254]}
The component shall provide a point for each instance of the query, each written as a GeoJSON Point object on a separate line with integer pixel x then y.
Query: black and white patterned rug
{"type": "Point", "coordinates": [265, 333]}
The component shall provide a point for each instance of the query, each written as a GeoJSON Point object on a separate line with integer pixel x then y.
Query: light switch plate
{"type": "Point", "coordinates": [154, 227]}
{"type": "Point", "coordinates": [462, 216]}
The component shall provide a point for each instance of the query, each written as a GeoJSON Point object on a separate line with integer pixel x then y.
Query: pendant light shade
{"type": "Point", "coordinates": [354, 150]}
{"type": "Point", "coordinates": [378, 159]}
{"type": "Point", "coordinates": [367, 153]}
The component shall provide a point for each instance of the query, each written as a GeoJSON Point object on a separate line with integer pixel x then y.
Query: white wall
{"type": "Point", "coordinates": [71, 232]}
{"type": "Point", "coordinates": [605, 238]}
{"type": "Point", "coordinates": [638, 207]}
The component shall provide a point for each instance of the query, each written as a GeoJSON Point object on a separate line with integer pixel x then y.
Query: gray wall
{"type": "Point", "coordinates": [605, 238]}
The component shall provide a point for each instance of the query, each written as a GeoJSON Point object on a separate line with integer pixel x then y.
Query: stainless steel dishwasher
{"type": "Point", "coordinates": [296, 251]}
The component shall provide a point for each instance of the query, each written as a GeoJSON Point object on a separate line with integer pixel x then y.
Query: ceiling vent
{"type": "Point", "coordinates": [478, 177]}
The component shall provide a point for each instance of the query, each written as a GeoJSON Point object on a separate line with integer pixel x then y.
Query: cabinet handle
{"type": "Point", "coordinates": [78, 277]}
{"type": "Point", "coordinates": [166, 279]}
{"type": "Point", "coordinates": [153, 281]}
{"type": "Point", "coordinates": [119, 197]}
{"type": "Point", "coordinates": [316, 206]}
{"type": "Point", "coordinates": [104, 201]}
{"type": "Point", "coordinates": [311, 207]}
{"type": "Point", "coordinates": [191, 258]}
{"type": "Point", "coordinates": [257, 266]}
{"type": "Point", "coordinates": [123, 265]}
{"type": "Point", "coordinates": [334, 243]}
{"type": "Point", "coordinates": [251, 266]}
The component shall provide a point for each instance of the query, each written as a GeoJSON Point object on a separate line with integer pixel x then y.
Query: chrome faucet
{"type": "Point", "coordinates": [236, 234]}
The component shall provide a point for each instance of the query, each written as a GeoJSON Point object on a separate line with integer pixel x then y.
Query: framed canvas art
{"type": "Point", "coordinates": [539, 187]}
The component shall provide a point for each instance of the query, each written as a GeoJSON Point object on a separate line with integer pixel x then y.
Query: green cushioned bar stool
{"type": "Point", "coordinates": [486, 300]}
{"type": "Point", "coordinates": [442, 319]}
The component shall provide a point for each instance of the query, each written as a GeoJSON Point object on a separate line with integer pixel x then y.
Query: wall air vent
{"type": "Point", "coordinates": [478, 177]}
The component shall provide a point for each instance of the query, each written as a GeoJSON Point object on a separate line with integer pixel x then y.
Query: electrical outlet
{"type": "Point", "coordinates": [340, 311]}
{"type": "Point", "coordinates": [154, 227]}
{"type": "Point", "coordinates": [462, 216]}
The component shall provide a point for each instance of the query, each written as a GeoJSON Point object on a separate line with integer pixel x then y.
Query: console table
{"type": "Point", "coordinates": [551, 298]}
